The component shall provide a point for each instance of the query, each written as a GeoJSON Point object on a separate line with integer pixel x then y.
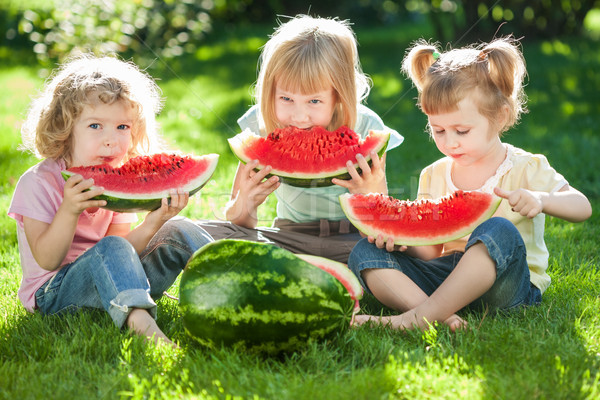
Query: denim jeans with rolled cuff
{"type": "Point", "coordinates": [112, 276]}
{"type": "Point", "coordinates": [505, 246]}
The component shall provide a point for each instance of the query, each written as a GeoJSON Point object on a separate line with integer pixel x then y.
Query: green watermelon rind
{"type": "Point", "coordinates": [229, 296]}
{"type": "Point", "coordinates": [303, 180]}
{"type": "Point", "coordinates": [339, 270]}
{"type": "Point", "coordinates": [124, 202]}
{"type": "Point", "coordinates": [418, 241]}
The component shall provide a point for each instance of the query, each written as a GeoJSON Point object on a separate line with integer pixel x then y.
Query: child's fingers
{"type": "Point", "coordinates": [352, 170]}
{"type": "Point", "coordinates": [179, 199]}
{"type": "Point", "coordinates": [389, 245]}
{"type": "Point", "coordinates": [258, 176]}
{"type": "Point", "coordinates": [363, 164]}
{"type": "Point", "coordinates": [502, 193]}
{"type": "Point", "coordinates": [376, 162]}
{"type": "Point", "coordinates": [341, 182]}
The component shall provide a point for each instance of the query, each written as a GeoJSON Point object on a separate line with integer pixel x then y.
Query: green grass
{"type": "Point", "coordinates": [551, 351]}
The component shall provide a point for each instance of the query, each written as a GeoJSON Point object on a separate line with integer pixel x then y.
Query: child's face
{"type": "Point", "coordinates": [304, 110]}
{"type": "Point", "coordinates": [102, 134]}
{"type": "Point", "coordinates": [465, 135]}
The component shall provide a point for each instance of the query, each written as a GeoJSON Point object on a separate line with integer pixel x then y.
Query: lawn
{"type": "Point", "coordinates": [551, 351]}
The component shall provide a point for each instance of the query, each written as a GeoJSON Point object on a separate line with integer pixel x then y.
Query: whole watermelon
{"type": "Point", "coordinates": [260, 298]}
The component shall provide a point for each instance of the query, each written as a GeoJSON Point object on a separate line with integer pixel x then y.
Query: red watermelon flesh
{"type": "Point", "coordinates": [341, 272]}
{"type": "Point", "coordinates": [143, 181]}
{"type": "Point", "coordinates": [422, 222]}
{"type": "Point", "coordinates": [303, 156]}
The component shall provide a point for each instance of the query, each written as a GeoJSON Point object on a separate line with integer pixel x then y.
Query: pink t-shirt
{"type": "Point", "coordinates": [38, 195]}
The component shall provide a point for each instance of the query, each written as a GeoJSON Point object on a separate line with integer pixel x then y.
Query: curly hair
{"type": "Point", "coordinates": [86, 80]}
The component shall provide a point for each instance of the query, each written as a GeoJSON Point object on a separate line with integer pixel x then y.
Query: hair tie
{"type": "Point", "coordinates": [435, 55]}
{"type": "Point", "coordinates": [483, 55]}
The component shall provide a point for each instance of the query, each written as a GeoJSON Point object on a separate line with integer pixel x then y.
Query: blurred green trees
{"type": "Point", "coordinates": [166, 29]}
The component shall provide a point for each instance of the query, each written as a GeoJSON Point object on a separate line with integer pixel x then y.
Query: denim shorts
{"type": "Point", "coordinates": [505, 246]}
{"type": "Point", "coordinates": [113, 277]}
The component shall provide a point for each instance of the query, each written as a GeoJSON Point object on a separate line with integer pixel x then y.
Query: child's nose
{"type": "Point", "coordinates": [452, 141]}
{"type": "Point", "coordinates": [110, 138]}
{"type": "Point", "coordinates": [300, 115]}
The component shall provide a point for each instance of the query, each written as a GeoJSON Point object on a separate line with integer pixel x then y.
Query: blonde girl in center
{"type": "Point", "coordinates": [309, 75]}
{"type": "Point", "coordinates": [471, 96]}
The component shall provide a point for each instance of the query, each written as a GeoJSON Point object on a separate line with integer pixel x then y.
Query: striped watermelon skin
{"type": "Point", "coordinates": [260, 298]}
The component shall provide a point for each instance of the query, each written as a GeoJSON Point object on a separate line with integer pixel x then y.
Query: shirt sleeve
{"type": "Point", "coordinates": [250, 120]}
{"type": "Point", "coordinates": [540, 176]}
{"type": "Point", "coordinates": [36, 196]}
{"type": "Point", "coordinates": [368, 120]}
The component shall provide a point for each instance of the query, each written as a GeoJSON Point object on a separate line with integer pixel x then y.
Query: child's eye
{"type": "Point", "coordinates": [462, 132]}
{"type": "Point", "coordinates": [438, 131]}
{"type": "Point", "coordinates": [123, 127]}
{"type": "Point", "coordinates": [315, 101]}
{"type": "Point", "coordinates": [95, 126]}
{"type": "Point", "coordinates": [285, 98]}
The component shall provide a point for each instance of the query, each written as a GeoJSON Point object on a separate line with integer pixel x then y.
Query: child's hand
{"type": "Point", "coordinates": [388, 245]}
{"type": "Point", "coordinates": [77, 197]}
{"type": "Point", "coordinates": [169, 209]}
{"type": "Point", "coordinates": [253, 186]}
{"type": "Point", "coordinates": [372, 178]}
{"type": "Point", "coordinates": [523, 201]}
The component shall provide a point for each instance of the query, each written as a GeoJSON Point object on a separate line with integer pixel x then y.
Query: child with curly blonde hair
{"type": "Point", "coordinates": [74, 253]}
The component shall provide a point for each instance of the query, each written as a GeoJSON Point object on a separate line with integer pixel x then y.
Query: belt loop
{"type": "Point", "coordinates": [324, 228]}
{"type": "Point", "coordinates": [344, 226]}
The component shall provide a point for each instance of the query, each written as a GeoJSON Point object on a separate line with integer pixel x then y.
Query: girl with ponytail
{"type": "Point", "coordinates": [471, 96]}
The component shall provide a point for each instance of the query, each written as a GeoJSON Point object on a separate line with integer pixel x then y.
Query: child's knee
{"type": "Point", "coordinates": [115, 245]}
{"type": "Point", "coordinates": [184, 230]}
{"type": "Point", "coordinates": [498, 227]}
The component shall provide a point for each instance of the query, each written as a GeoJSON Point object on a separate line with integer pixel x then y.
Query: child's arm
{"type": "Point", "coordinates": [567, 203]}
{"type": "Point", "coordinates": [372, 178]}
{"type": "Point", "coordinates": [141, 235]}
{"type": "Point", "coordinates": [250, 189]}
{"type": "Point", "coordinates": [50, 243]}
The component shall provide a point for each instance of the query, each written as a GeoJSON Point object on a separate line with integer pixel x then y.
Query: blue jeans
{"type": "Point", "coordinates": [112, 276]}
{"type": "Point", "coordinates": [505, 246]}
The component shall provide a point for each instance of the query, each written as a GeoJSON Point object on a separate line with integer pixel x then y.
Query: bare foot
{"type": "Point", "coordinates": [394, 321]}
{"type": "Point", "coordinates": [408, 320]}
{"type": "Point", "coordinates": [142, 323]}
{"type": "Point", "coordinates": [455, 323]}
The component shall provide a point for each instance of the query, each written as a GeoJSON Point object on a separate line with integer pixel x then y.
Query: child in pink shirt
{"type": "Point", "coordinates": [73, 252]}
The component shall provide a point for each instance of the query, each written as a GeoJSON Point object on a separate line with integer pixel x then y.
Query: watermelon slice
{"type": "Point", "coordinates": [260, 298]}
{"type": "Point", "coordinates": [307, 158]}
{"type": "Point", "coordinates": [142, 182]}
{"type": "Point", "coordinates": [341, 272]}
{"type": "Point", "coordinates": [423, 222]}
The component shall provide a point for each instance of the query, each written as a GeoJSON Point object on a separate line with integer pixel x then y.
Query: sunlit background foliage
{"type": "Point", "coordinates": [147, 29]}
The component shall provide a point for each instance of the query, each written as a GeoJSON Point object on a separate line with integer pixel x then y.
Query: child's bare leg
{"type": "Point", "coordinates": [473, 276]}
{"type": "Point", "coordinates": [142, 323]}
{"type": "Point", "coordinates": [397, 291]}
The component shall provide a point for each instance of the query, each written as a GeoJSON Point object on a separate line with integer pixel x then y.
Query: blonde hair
{"type": "Point", "coordinates": [308, 55]}
{"type": "Point", "coordinates": [494, 70]}
{"type": "Point", "coordinates": [85, 80]}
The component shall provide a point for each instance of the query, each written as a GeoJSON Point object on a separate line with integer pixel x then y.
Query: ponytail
{"type": "Point", "coordinates": [496, 70]}
{"type": "Point", "coordinates": [418, 60]}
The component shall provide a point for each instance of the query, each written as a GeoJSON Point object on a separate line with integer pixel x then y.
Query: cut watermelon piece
{"type": "Point", "coordinates": [142, 182]}
{"type": "Point", "coordinates": [422, 222]}
{"type": "Point", "coordinates": [260, 298]}
{"type": "Point", "coordinates": [341, 272]}
{"type": "Point", "coordinates": [308, 158]}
